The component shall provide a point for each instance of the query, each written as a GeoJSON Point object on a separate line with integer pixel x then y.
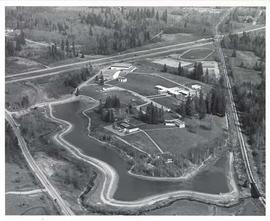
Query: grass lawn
{"type": "Point", "coordinates": [141, 141]}
{"type": "Point", "coordinates": [197, 53]}
{"type": "Point", "coordinates": [39, 204]}
{"type": "Point", "coordinates": [180, 37]}
{"type": "Point", "coordinates": [246, 75]}
{"type": "Point", "coordinates": [170, 102]}
{"type": "Point", "coordinates": [97, 92]}
{"type": "Point", "coordinates": [248, 58]}
{"type": "Point", "coordinates": [15, 65]}
{"type": "Point", "coordinates": [143, 84]}
{"type": "Point", "coordinates": [184, 80]}
{"type": "Point", "coordinates": [181, 140]}
{"type": "Point", "coordinates": [183, 207]}
{"type": "Point", "coordinates": [171, 62]}
{"type": "Point", "coordinates": [245, 72]}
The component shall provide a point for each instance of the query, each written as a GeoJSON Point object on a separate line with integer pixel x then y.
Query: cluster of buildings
{"type": "Point", "coordinates": [118, 71]}
{"type": "Point", "coordinates": [125, 127]}
{"type": "Point", "coordinates": [179, 92]}
{"type": "Point", "coordinates": [175, 123]}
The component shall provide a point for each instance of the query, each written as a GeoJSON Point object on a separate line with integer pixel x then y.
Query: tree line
{"type": "Point", "coordinates": [247, 42]}
{"type": "Point", "coordinates": [213, 103]}
{"type": "Point", "coordinates": [152, 115]}
{"type": "Point", "coordinates": [106, 109]}
{"type": "Point", "coordinates": [13, 45]}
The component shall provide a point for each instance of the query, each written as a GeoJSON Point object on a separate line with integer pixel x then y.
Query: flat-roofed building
{"type": "Point", "coordinates": [175, 122]}
{"type": "Point", "coordinates": [121, 66]}
{"type": "Point", "coordinates": [128, 128]}
{"type": "Point", "coordinates": [161, 89]}
{"type": "Point", "coordinates": [196, 87]}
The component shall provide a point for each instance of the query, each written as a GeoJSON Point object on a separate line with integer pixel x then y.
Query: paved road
{"type": "Point", "coordinates": [236, 119]}
{"type": "Point", "coordinates": [64, 208]}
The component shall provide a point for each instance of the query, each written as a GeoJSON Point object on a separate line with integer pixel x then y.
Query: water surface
{"type": "Point", "coordinates": [129, 187]}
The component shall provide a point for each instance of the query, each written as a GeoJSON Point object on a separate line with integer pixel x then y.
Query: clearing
{"type": "Point", "coordinates": [172, 62]}
{"type": "Point", "coordinates": [197, 134]}
{"type": "Point", "coordinates": [101, 92]}
{"type": "Point", "coordinates": [143, 84]}
{"type": "Point", "coordinates": [15, 65]}
{"type": "Point", "coordinates": [141, 141]}
{"type": "Point", "coordinates": [197, 54]}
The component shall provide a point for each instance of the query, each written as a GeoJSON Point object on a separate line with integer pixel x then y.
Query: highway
{"type": "Point", "coordinates": [243, 147]}
{"type": "Point", "coordinates": [131, 56]}
{"type": "Point", "coordinates": [54, 194]}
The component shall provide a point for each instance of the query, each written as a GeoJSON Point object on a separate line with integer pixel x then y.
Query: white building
{"type": "Point", "coordinates": [175, 122]}
{"type": "Point", "coordinates": [121, 66]}
{"type": "Point", "coordinates": [128, 128]}
{"type": "Point", "coordinates": [196, 87]}
{"type": "Point", "coordinates": [122, 79]}
{"type": "Point", "coordinates": [161, 89]}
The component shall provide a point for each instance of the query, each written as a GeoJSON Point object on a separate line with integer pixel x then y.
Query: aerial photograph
{"type": "Point", "coordinates": [135, 110]}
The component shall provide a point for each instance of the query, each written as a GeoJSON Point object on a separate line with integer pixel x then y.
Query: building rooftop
{"type": "Point", "coordinates": [124, 65]}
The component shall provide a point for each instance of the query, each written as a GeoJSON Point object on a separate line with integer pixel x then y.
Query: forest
{"type": "Point", "coordinates": [105, 30]}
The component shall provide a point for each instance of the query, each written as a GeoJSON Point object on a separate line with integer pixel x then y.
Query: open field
{"type": "Point", "coordinates": [14, 94]}
{"type": "Point", "coordinates": [186, 207]}
{"type": "Point", "coordinates": [38, 204]}
{"type": "Point", "coordinates": [243, 66]}
{"type": "Point", "coordinates": [242, 75]}
{"type": "Point", "coordinates": [197, 54]}
{"type": "Point", "coordinates": [141, 141]}
{"type": "Point", "coordinates": [147, 66]}
{"type": "Point", "coordinates": [97, 92]}
{"type": "Point", "coordinates": [16, 65]}
{"type": "Point", "coordinates": [143, 84]}
{"type": "Point", "coordinates": [183, 80]}
{"type": "Point", "coordinates": [171, 62]}
{"type": "Point", "coordinates": [180, 140]}
{"type": "Point", "coordinates": [170, 102]}
{"type": "Point", "coordinates": [179, 37]}
{"type": "Point", "coordinates": [247, 58]}
{"type": "Point", "coordinates": [182, 207]}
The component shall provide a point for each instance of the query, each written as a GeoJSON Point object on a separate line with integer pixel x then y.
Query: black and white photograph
{"type": "Point", "coordinates": [144, 110]}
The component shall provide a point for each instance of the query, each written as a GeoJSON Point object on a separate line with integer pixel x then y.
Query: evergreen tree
{"type": "Point", "coordinates": [189, 108]}
{"type": "Point", "coordinates": [157, 16]}
{"type": "Point", "coordinates": [234, 53]}
{"type": "Point", "coordinates": [10, 50]}
{"type": "Point", "coordinates": [21, 38]}
{"type": "Point", "coordinates": [67, 46]}
{"type": "Point", "coordinates": [101, 79]}
{"type": "Point", "coordinates": [73, 48]}
{"type": "Point", "coordinates": [164, 69]}
{"type": "Point", "coordinates": [202, 106]}
{"type": "Point", "coordinates": [18, 45]}
{"type": "Point", "coordinates": [179, 68]}
{"type": "Point", "coordinates": [165, 16]}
